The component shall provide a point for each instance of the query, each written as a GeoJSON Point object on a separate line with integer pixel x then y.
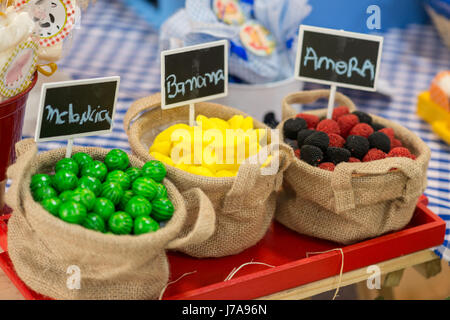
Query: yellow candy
{"type": "Point", "coordinates": [225, 173]}
{"type": "Point", "coordinates": [163, 147]}
{"type": "Point", "coordinates": [166, 135]}
{"type": "Point", "coordinates": [162, 158]}
{"type": "Point", "coordinates": [201, 171]}
{"type": "Point", "coordinates": [220, 123]}
{"type": "Point", "coordinates": [236, 121]}
{"type": "Point", "coordinates": [266, 163]}
{"type": "Point", "coordinates": [205, 123]}
{"type": "Point", "coordinates": [247, 124]}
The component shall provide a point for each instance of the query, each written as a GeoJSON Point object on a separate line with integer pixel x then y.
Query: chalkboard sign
{"type": "Point", "coordinates": [193, 74]}
{"type": "Point", "coordinates": [77, 108]}
{"type": "Point", "coordinates": [344, 59]}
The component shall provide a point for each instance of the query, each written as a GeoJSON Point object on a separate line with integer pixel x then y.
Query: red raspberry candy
{"type": "Point", "coordinates": [353, 159]}
{"type": "Point", "coordinates": [374, 154]}
{"type": "Point", "coordinates": [328, 126]}
{"type": "Point", "coordinates": [336, 140]}
{"type": "Point", "coordinates": [310, 119]}
{"type": "Point", "coordinates": [297, 153]}
{"type": "Point", "coordinates": [390, 133]}
{"type": "Point", "coordinates": [396, 143]}
{"type": "Point", "coordinates": [327, 166]}
{"type": "Point", "coordinates": [401, 152]}
{"type": "Point", "coordinates": [340, 111]}
{"type": "Point", "coordinates": [346, 123]}
{"type": "Point", "coordinates": [361, 129]}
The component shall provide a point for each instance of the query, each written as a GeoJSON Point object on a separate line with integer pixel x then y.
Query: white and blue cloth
{"type": "Point", "coordinates": [113, 40]}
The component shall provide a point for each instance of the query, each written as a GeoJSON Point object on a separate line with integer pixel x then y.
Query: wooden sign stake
{"type": "Point", "coordinates": [191, 114]}
{"type": "Point", "coordinates": [331, 101]}
{"type": "Point", "coordinates": [69, 148]}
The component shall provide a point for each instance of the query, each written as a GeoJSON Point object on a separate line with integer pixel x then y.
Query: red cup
{"type": "Point", "coordinates": [12, 113]}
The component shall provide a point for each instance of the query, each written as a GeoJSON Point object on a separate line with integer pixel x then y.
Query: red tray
{"type": "Point", "coordinates": [284, 249]}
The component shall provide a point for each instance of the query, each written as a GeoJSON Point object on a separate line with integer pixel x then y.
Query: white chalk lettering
{"type": "Point", "coordinates": [95, 116]}
{"type": "Point", "coordinates": [175, 88]}
{"type": "Point", "coordinates": [340, 67]}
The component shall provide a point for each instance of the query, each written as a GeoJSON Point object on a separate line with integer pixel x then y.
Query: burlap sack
{"type": "Point", "coordinates": [45, 250]}
{"type": "Point", "coordinates": [244, 205]}
{"type": "Point", "coordinates": [357, 200]}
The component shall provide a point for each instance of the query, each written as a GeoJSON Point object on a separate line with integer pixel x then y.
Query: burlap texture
{"type": "Point", "coordinates": [244, 205]}
{"type": "Point", "coordinates": [357, 200]}
{"type": "Point", "coordinates": [42, 247]}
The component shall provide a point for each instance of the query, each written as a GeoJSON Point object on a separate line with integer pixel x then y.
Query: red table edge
{"type": "Point", "coordinates": [257, 279]}
{"type": "Point", "coordinates": [254, 281]}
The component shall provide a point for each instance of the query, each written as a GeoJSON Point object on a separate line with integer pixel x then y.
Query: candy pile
{"type": "Point", "coordinates": [347, 137]}
{"type": "Point", "coordinates": [193, 149]}
{"type": "Point", "coordinates": [109, 196]}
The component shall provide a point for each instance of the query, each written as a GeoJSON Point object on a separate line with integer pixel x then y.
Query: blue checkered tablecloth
{"type": "Point", "coordinates": [113, 40]}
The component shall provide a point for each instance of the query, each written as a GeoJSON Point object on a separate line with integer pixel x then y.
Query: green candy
{"type": "Point", "coordinates": [133, 173]}
{"type": "Point", "coordinates": [52, 205]}
{"type": "Point", "coordinates": [40, 180]}
{"type": "Point", "coordinates": [91, 183]}
{"type": "Point", "coordinates": [94, 222]}
{"type": "Point", "coordinates": [112, 191]}
{"type": "Point", "coordinates": [145, 187]}
{"type": "Point", "coordinates": [84, 196]}
{"type": "Point", "coordinates": [82, 159]}
{"type": "Point", "coordinates": [162, 209]}
{"type": "Point", "coordinates": [66, 195]}
{"type": "Point", "coordinates": [104, 208]}
{"type": "Point", "coordinates": [154, 169]}
{"type": "Point", "coordinates": [120, 223]}
{"type": "Point", "coordinates": [96, 169]}
{"type": "Point", "coordinates": [67, 164]}
{"type": "Point", "coordinates": [65, 180]}
{"type": "Point", "coordinates": [43, 193]}
{"type": "Point", "coordinates": [117, 160]}
{"type": "Point", "coordinates": [138, 206]}
{"type": "Point", "coordinates": [72, 212]}
{"type": "Point", "coordinates": [161, 191]}
{"type": "Point", "coordinates": [120, 177]}
{"type": "Point", "coordinates": [127, 195]}
{"type": "Point", "coordinates": [144, 224]}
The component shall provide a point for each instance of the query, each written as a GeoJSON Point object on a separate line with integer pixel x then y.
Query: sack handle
{"type": "Point", "coordinates": [311, 96]}
{"type": "Point", "coordinates": [138, 106]}
{"type": "Point", "coordinates": [341, 179]}
{"type": "Point", "coordinates": [205, 224]}
{"type": "Point", "coordinates": [26, 151]}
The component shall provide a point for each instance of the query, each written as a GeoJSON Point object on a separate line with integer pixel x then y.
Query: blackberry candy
{"type": "Point", "coordinates": [376, 126]}
{"type": "Point", "coordinates": [292, 126]}
{"type": "Point", "coordinates": [338, 155]}
{"type": "Point", "coordinates": [270, 120]}
{"type": "Point", "coordinates": [318, 139]}
{"type": "Point", "coordinates": [357, 145]}
{"type": "Point", "coordinates": [302, 135]}
{"type": "Point", "coordinates": [380, 141]}
{"type": "Point", "coordinates": [311, 155]}
{"type": "Point", "coordinates": [363, 117]}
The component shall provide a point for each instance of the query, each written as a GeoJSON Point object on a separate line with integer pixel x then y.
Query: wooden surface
{"type": "Point", "coordinates": [356, 276]}
{"type": "Point", "coordinates": [9, 292]}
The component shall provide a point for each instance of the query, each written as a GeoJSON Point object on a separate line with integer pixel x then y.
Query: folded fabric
{"type": "Point", "coordinates": [256, 56]}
